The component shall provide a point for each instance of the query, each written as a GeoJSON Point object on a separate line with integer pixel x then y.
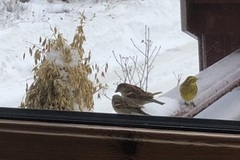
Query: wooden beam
{"type": "Point", "coordinates": [214, 47]}
{"type": "Point", "coordinates": [25, 140]}
{"type": "Point", "coordinates": [215, 23]}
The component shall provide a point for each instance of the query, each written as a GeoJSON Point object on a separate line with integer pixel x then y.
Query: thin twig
{"type": "Point", "coordinates": [143, 70]}
{"type": "Point", "coordinates": [136, 47]}
{"type": "Point", "coordinates": [178, 78]}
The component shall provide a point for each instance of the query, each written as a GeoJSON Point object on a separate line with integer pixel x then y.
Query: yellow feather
{"type": "Point", "coordinates": [189, 89]}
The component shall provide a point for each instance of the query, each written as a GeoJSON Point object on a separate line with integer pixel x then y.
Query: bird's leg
{"type": "Point", "coordinates": [192, 104]}
{"type": "Point", "coordinates": [186, 109]}
{"type": "Point", "coordinates": [187, 104]}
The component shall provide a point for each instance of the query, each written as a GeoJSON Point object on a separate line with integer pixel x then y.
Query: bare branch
{"type": "Point", "coordinates": [139, 71]}
{"type": "Point", "coordinates": [119, 62]}
{"type": "Point", "coordinates": [120, 77]}
{"type": "Point", "coordinates": [134, 60]}
{"type": "Point", "coordinates": [178, 78]}
{"type": "Point", "coordinates": [107, 96]}
{"type": "Point", "coordinates": [137, 47]}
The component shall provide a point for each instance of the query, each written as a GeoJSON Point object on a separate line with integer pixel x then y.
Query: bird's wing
{"type": "Point", "coordinates": [125, 103]}
{"type": "Point", "coordinates": [133, 90]}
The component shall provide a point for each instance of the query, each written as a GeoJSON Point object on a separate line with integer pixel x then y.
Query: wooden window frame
{"type": "Point", "coordinates": [39, 134]}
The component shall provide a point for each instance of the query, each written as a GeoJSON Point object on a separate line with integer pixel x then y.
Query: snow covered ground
{"type": "Point", "coordinates": [108, 28]}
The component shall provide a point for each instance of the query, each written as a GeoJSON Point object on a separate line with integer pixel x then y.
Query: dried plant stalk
{"type": "Point", "coordinates": [61, 74]}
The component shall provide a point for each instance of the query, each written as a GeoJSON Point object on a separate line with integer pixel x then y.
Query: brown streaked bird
{"type": "Point", "coordinates": [136, 94]}
{"type": "Point", "coordinates": [123, 105]}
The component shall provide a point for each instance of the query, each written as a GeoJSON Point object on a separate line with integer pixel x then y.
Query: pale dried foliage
{"type": "Point", "coordinates": [61, 74]}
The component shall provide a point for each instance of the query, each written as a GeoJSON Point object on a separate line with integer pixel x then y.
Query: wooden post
{"type": "Point", "coordinates": [216, 25]}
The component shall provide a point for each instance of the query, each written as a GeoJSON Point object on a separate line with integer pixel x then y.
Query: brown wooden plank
{"type": "Point", "coordinates": [36, 140]}
{"type": "Point", "coordinates": [214, 47]}
{"type": "Point", "coordinates": [214, 18]}
{"type": "Point", "coordinates": [214, 1]}
{"type": "Point", "coordinates": [215, 24]}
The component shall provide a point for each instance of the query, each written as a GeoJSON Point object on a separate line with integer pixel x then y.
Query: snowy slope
{"type": "Point", "coordinates": [109, 27]}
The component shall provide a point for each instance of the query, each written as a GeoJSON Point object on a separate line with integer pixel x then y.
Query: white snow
{"type": "Point", "coordinates": [227, 108]}
{"type": "Point", "coordinates": [108, 28]}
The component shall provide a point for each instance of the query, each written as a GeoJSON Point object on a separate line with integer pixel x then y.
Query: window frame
{"type": "Point", "coordinates": [41, 134]}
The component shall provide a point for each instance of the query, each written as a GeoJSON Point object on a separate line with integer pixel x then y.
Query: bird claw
{"type": "Point", "coordinates": [190, 104]}
{"type": "Point", "coordinates": [193, 104]}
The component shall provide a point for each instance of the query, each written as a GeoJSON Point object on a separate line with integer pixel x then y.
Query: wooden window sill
{"type": "Point", "coordinates": [50, 135]}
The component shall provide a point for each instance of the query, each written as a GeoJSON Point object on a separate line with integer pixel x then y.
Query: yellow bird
{"type": "Point", "coordinates": [189, 89]}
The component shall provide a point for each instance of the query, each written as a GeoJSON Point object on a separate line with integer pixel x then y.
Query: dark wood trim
{"type": "Point", "coordinates": [215, 1]}
{"type": "Point", "coordinates": [210, 17]}
{"type": "Point", "coordinates": [23, 140]}
{"type": "Point", "coordinates": [38, 134]}
{"type": "Point", "coordinates": [215, 23]}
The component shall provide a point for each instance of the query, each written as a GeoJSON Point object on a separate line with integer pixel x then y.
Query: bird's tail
{"type": "Point", "coordinates": [156, 93]}
{"type": "Point", "coordinates": [156, 101]}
